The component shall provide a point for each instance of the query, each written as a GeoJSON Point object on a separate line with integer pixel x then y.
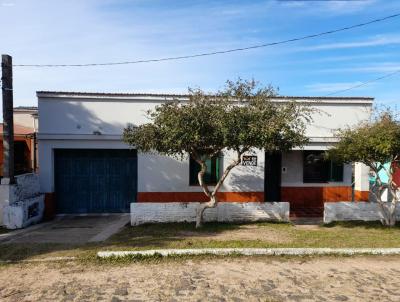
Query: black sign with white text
{"type": "Point", "coordinates": [249, 160]}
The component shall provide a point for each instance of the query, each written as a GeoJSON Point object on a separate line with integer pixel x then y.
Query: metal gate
{"type": "Point", "coordinates": [95, 180]}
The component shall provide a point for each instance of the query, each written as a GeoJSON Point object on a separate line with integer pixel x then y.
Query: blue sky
{"type": "Point", "coordinates": [52, 32]}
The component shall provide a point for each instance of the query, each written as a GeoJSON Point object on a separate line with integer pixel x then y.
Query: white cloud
{"type": "Point", "coordinates": [333, 7]}
{"type": "Point", "coordinates": [375, 68]}
{"type": "Point", "coordinates": [330, 87]}
{"type": "Point", "coordinates": [347, 6]}
{"type": "Point", "coordinates": [381, 40]}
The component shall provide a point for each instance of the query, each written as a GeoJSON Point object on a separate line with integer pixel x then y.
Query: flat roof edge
{"type": "Point", "coordinates": [184, 97]}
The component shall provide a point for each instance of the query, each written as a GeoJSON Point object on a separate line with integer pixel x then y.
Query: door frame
{"type": "Point", "coordinates": [274, 168]}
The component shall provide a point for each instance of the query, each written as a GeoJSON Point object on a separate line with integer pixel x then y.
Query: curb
{"type": "Point", "coordinates": [253, 251]}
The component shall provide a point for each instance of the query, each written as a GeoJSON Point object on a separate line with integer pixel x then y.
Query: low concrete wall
{"type": "Point", "coordinates": [21, 204]}
{"type": "Point", "coordinates": [225, 212]}
{"type": "Point", "coordinates": [24, 213]}
{"type": "Point", "coordinates": [347, 211]}
{"type": "Point", "coordinates": [27, 186]}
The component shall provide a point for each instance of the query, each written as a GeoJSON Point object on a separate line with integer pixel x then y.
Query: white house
{"type": "Point", "coordinates": [86, 168]}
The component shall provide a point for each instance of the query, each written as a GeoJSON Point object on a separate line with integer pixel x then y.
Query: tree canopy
{"type": "Point", "coordinates": [239, 118]}
{"type": "Point", "coordinates": [374, 143]}
{"type": "Point", "coordinates": [371, 142]}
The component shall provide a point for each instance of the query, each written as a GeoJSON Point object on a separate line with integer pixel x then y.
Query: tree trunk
{"type": "Point", "coordinates": [212, 203]}
{"type": "Point", "coordinates": [388, 209]}
{"type": "Point", "coordinates": [389, 212]}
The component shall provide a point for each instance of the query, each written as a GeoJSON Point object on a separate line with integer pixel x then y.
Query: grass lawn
{"type": "Point", "coordinates": [256, 235]}
{"type": "Point", "coordinates": [184, 235]}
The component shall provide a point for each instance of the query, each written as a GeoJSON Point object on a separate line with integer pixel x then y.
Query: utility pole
{"type": "Point", "coordinates": [8, 120]}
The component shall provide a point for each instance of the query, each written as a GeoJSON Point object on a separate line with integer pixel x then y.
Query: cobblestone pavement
{"type": "Point", "coordinates": [218, 279]}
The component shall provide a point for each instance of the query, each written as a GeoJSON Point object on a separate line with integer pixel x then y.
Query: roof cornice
{"type": "Point", "coordinates": [184, 97]}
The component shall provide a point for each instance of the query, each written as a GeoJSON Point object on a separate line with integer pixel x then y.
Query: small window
{"type": "Point", "coordinates": [316, 169]}
{"type": "Point", "coordinates": [211, 176]}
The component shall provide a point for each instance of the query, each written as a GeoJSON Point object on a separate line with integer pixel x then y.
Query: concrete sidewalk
{"type": "Point", "coordinates": [70, 229]}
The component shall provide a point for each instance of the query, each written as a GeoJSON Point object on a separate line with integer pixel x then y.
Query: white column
{"type": "Point", "coordinates": [361, 177]}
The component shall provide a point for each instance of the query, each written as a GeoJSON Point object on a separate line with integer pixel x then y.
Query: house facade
{"type": "Point", "coordinates": [87, 168]}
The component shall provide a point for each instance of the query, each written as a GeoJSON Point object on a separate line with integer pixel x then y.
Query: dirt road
{"type": "Point", "coordinates": [227, 279]}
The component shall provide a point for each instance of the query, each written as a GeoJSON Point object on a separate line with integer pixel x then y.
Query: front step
{"type": "Point", "coordinates": [307, 212]}
{"type": "Point", "coordinates": [306, 220]}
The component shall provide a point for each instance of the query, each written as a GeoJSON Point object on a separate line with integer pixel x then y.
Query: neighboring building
{"type": "Point", "coordinates": [85, 166]}
{"type": "Point", "coordinates": [384, 177]}
{"type": "Point", "coordinates": [396, 176]}
{"type": "Point", "coordinates": [25, 129]}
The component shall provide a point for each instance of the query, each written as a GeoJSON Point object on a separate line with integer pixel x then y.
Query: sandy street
{"type": "Point", "coordinates": [228, 279]}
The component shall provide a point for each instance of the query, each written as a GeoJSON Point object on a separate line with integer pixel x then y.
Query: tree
{"type": "Point", "coordinates": [240, 118]}
{"type": "Point", "coordinates": [375, 143]}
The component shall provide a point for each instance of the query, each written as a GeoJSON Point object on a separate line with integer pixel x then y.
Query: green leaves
{"type": "Point", "coordinates": [374, 141]}
{"type": "Point", "coordinates": [240, 117]}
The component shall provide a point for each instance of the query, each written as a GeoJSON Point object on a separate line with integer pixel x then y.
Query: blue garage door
{"type": "Point", "coordinates": [95, 181]}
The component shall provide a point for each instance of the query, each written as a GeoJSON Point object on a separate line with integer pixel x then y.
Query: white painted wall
{"type": "Point", "coordinates": [83, 116]}
{"type": "Point", "coordinates": [69, 122]}
{"type": "Point", "coordinates": [224, 212]}
{"type": "Point", "coordinates": [165, 174]}
{"type": "Point", "coordinates": [16, 199]}
{"type": "Point", "coordinates": [357, 211]}
{"type": "Point", "coordinates": [361, 177]}
{"type": "Point", "coordinates": [332, 116]}
{"type": "Point", "coordinates": [79, 115]}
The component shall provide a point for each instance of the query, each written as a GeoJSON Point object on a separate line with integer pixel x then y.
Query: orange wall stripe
{"type": "Point", "coordinates": [302, 196]}
{"type": "Point", "coordinates": [361, 195]}
{"type": "Point", "coordinates": [199, 197]}
{"type": "Point", "coordinates": [314, 196]}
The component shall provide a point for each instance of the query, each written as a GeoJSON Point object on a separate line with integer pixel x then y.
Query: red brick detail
{"type": "Point", "coordinates": [199, 197]}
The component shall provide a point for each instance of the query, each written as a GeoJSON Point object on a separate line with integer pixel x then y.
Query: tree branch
{"type": "Point", "coordinates": [200, 175]}
{"type": "Point", "coordinates": [226, 172]}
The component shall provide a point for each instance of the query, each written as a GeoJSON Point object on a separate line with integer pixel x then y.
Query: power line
{"type": "Point", "coordinates": [204, 54]}
{"type": "Point", "coordinates": [364, 83]}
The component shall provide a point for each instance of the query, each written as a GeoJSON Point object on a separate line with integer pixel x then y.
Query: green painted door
{"type": "Point", "coordinates": [95, 180]}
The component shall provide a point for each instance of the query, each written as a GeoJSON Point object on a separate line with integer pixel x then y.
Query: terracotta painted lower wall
{"type": "Point", "coordinates": [199, 197]}
{"type": "Point", "coordinates": [361, 195]}
{"type": "Point", "coordinates": [306, 197]}
{"type": "Point", "coordinates": [297, 196]}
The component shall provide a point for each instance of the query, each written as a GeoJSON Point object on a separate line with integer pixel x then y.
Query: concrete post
{"type": "Point", "coordinates": [8, 120]}
{"type": "Point", "coordinates": [361, 182]}
{"type": "Point", "coordinates": [7, 187]}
